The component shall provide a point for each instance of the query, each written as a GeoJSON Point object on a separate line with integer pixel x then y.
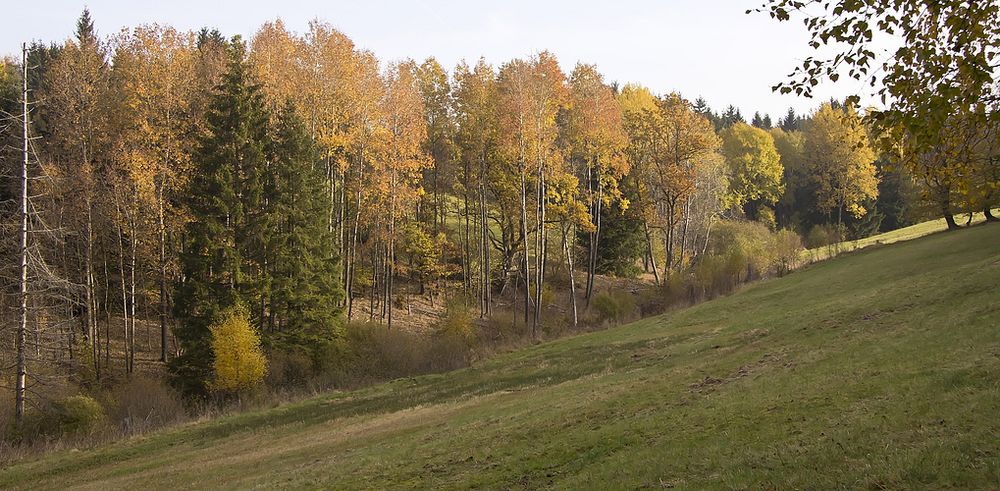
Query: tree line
{"type": "Point", "coordinates": [295, 178]}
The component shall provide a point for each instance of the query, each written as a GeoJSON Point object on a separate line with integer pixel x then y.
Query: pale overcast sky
{"type": "Point", "coordinates": [708, 48]}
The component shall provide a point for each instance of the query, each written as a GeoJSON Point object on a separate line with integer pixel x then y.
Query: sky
{"type": "Point", "coordinates": [706, 48]}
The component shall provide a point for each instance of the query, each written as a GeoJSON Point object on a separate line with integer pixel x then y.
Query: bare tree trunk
{"type": "Point", "coordinates": [391, 252]}
{"type": "Point", "coordinates": [131, 332]}
{"type": "Point", "coordinates": [375, 283]}
{"type": "Point", "coordinates": [331, 179]}
{"type": "Point", "coordinates": [487, 287]}
{"type": "Point", "coordinates": [568, 251]}
{"type": "Point", "coordinates": [950, 220]}
{"type": "Point", "coordinates": [597, 233]}
{"type": "Point", "coordinates": [539, 246]}
{"type": "Point", "coordinates": [466, 247]}
{"type": "Point", "coordinates": [684, 232]}
{"type": "Point", "coordinates": [595, 240]}
{"type": "Point", "coordinates": [708, 234]}
{"type": "Point", "coordinates": [89, 283]}
{"type": "Point", "coordinates": [342, 215]}
{"type": "Point", "coordinates": [107, 315]}
{"type": "Point", "coordinates": [352, 266]}
{"type": "Point", "coordinates": [840, 212]}
{"type": "Point", "coordinates": [669, 237]}
{"type": "Point", "coordinates": [22, 327]}
{"type": "Point", "coordinates": [485, 240]}
{"type": "Point", "coordinates": [437, 200]}
{"type": "Point", "coordinates": [121, 276]}
{"type": "Point", "coordinates": [588, 288]}
{"type": "Point", "coordinates": [649, 251]}
{"type": "Point", "coordinates": [484, 284]}
{"type": "Point", "coordinates": [524, 240]}
{"type": "Point", "coordinates": [163, 252]}
{"type": "Point", "coordinates": [545, 247]}
{"type": "Point", "coordinates": [385, 281]}
{"type": "Point", "coordinates": [163, 276]}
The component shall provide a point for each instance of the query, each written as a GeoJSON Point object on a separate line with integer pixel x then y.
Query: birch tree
{"type": "Point", "coordinates": [476, 141]}
{"type": "Point", "coordinates": [597, 143]}
{"type": "Point", "coordinates": [154, 71]}
{"type": "Point", "coordinates": [77, 95]}
{"type": "Point", "coordinates": [397, 175]}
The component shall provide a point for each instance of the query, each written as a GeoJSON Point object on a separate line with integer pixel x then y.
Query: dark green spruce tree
{"type": "Point", "coordinates": [225, 184]}
{"type": "Point", "coordinates": [258, 236]}
{"type": "Point", "coordinates": [730, 117]}
{"type": "Point", "coordinates": [623, 241]}
{"type": "Point", "coordinates": [791, 121]}
{"type": "Point", "coordinates": [303, 313]}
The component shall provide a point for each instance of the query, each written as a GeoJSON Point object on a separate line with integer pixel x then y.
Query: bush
{"type": "Point", "coordinates": [558, 276]}
{"type": "Point", "coordinates": [364, 352]}
{"type": "Point", "coordinates": [287, 368]}
{"type": "Point", "coordinates": [76, 415]}
{"type": "Point", "coordinates": [6, 419]}
{"type": "Point", "coordinates": [371, 352]}
{"type": "Point", "coordinates": [548, 296]}
{"type": "Point", "coordinates": [238, 362]}
{"type": "Point", "coordinates": [653, 301]}
{"type": "Point", "coordinates": [453, 339]}
{"type": "Point", "coordinates": [456, 321]}
{"type": "Point", "coordinates": [143, 404]}
{"type": "Point", "coordinates": [447, 352]}
{"type": "Point", "coordinates": [749, 250]}
{"type": "Point", "coordinates": [744, 247]}
{"type": "Point", "coordinates": [823, 235]}
{"type": "Point", "coordinates": [615, 307]}
{"type": "Point", "coordinates": [787, 246]}
{"type": "Point", "coordinates": [674, 288]}
{"type": "Point", "coordinates": [712, 277]}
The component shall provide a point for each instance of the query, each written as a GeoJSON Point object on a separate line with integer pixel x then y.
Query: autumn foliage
{"type": "Point", "coordinates": [300, 176]}
{"type": "Point", "coordinates": [238, 361]}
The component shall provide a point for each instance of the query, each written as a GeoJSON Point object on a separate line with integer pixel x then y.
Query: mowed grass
{"type": "Point", "coordinates": [878, 369]}
{"type": "Point", "coordinates": [899, 235]}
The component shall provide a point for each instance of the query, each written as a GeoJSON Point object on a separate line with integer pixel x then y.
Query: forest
{"type": "Point", "coordinates": [192, 221]}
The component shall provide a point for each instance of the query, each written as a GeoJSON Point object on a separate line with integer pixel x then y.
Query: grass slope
{"type": "Point", "coordinates": [876, 369]}
{"type": "Point", "coordinates": [899, 235]}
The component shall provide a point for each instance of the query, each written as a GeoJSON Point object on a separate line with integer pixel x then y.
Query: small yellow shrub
{"type": "Point", "coordinates": [239, 362]}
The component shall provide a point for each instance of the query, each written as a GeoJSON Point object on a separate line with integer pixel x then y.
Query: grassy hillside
{"type": "Point", "coordinates": [879, 369]}
{"type": "Point", "coordinates": [899, 235]}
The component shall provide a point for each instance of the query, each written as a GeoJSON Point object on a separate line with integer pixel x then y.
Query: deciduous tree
{"type": "Point", "coordinates": [596, 141]}
{"type": "Point", "coordinates": [940, 79]}
{"type": "Point", "coordinates": [755, 169]}
{"type": "Point", "coordinates": [841, 162]}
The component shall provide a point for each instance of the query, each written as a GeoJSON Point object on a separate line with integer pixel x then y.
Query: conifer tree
{"type": "Point", "coordinates": [730, 117]}
{"type": "Point", "coordinates": [791, 121]}
{"type": "Point", "coordinates": [303, 272]}
{"type": "Point", "coordinates": [223, 190]}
